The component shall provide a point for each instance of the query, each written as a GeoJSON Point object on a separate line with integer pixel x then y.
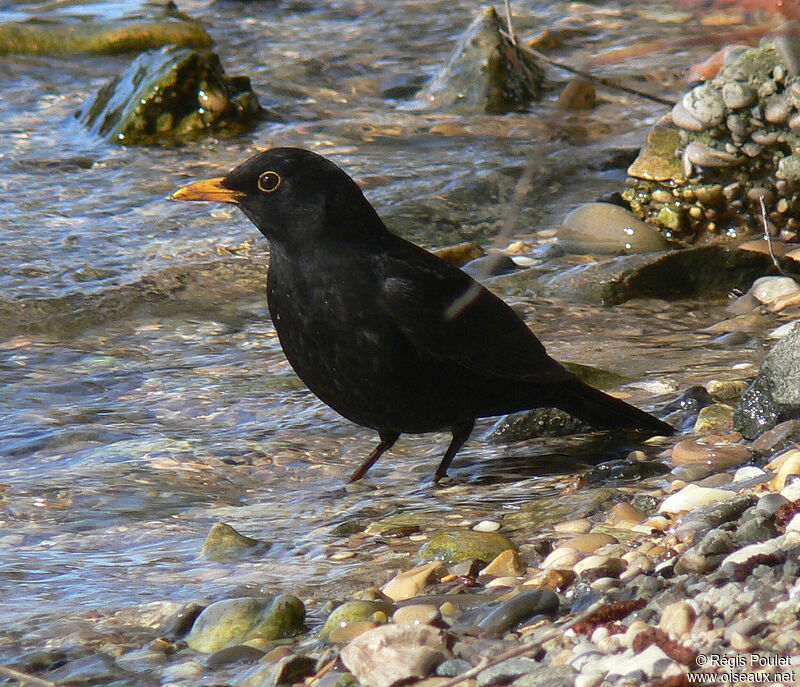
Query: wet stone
{"type": "Point", "coordinates": [518, 609]}
{"type": "Point", "coordinates": [453, 546]}
{"type": "Point", "coordinates": [286, 671]}
{"type": "Point", "coordinates": [225, 543]}
{"type": "Point", "coordinates": [607, 229]}
{"type": "Point", "coordinates": [168, 94]}
{"type": "Point", "coordinates": [485, 72]}
{"type": "Point", "coordinates": [352, 612]}
{"type": "Point", "coordinates": [234, 654]}
{"type": "Point", "coordinates": [234, 621]}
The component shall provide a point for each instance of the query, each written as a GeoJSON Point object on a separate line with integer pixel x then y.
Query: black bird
{"type": "Point", "coordinates": [381, 330]}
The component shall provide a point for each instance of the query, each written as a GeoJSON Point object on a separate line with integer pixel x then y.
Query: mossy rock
{"type": "Point", "coordinates": [235, 621]}
{"type": "Point", "coordinates": [172, 93]}
{"type": "Point", "coordinates": [453, 546]}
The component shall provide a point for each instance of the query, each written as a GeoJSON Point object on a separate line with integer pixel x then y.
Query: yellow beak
{"type": "Point", "coordinates": [209, 189]}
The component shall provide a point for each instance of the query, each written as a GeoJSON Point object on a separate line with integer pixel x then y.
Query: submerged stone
{"type": "Point", "coordinates": [486, 73]}
{"type": "Point", "coordinates": [171, 93]}
{"type": "Point", "coordinates": [71, 28]}
{"type": "Point", "coordinates": [224, 543]}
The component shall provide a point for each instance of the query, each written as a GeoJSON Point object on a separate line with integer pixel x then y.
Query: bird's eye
{"type": "Point", "coordinates": [269, 181]}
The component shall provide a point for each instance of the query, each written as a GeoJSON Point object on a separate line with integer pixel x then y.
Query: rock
{"type": "Point", "coordinates": [518, 609]}
{"type": "Point", "coordinates": [453, 546]}
{"type": "Point", "coordinates": [590, 542]}
{"type": "Point", "coordinates": [485, 73]}
{"type": "Point", "coordinates": [235, 621]}
{"type": "Point", "coordinates": [716, 454]}
{"type": "Point", "coordinates": [94, 669]}
{"type": "Point", "coordinates": [684, 273]}
{"type": "Point", "coordinates": [417, 614]}
{"type": "Point", "coordinates": [505, 564]}
{"type": "Point", "coordinates": [409, 583]}
{"type": "Point", "coordinates": [541, 512]}
{"type": "Point", "coordinates": [461, 253]}
{"type": "Point", "coordinates": [657, 161]}
{"type": "Point", "coordinates": [774, 396]}
{"type": "Point", "coordinates": [224, 543]}
{"type": "Point", "coordinates": [240, 653]}
{"type": "Point", "coordinates": [535, 423]}
{"type": "Point", "coordinates": [391, 654]}
{"type": "Point", "coordinates": [714, 418]}
{"type": "Point", "coordinates": [353, 612]}
{"type": "Point", "coordinates": [578, 94]}
{"type": "Point", "coordinates": [605, 228]}
{"type": "Point", "coordinates": [677, 618]}
{"type": "Point", "coordinates": [140, 26]}
{"type": "Point", "coordinates": [506, 671]}
{"type": "Point", "coordinates": [766, 290]}
{"type": "Point", "coordinates": [288, 670]}
{"type": "Point", "coordinates": [173, 93]}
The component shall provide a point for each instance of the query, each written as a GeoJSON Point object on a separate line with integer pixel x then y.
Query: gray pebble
{"type": "Point", "coordinates": [705, 104]}
{"type": "Point", "coordinates": [736, 94]}
{"type": "Point", "coordinates": [453, 667]}
{"type": "Point", "coordinates": [507, 671]}
{"type": "Point", "coordinates": [518, 609]}
{"type": "Point", "coordinates": [769, 503]}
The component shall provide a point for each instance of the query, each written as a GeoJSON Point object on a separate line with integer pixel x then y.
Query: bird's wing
{"type": "Point", "coordinates": [447, 315]}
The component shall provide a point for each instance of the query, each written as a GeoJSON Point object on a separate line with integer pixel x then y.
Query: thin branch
{"type": "Point", "coordinates": [512, 36]}
{"type": "Point", "coordinates": [768, 237]}
{"type": "Point", "coordinates": [25, 679]}
{"type": "Point", "coordinates": [603, 81]}
{"type": "Point", "coordinates": [523, 648]}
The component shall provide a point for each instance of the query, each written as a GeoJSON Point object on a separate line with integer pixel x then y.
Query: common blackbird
{"type": "Point", "coordinates": [381, 330]}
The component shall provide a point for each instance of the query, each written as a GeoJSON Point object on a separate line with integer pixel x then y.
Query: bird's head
{"type": "Point", "coordinates": [293, 195]}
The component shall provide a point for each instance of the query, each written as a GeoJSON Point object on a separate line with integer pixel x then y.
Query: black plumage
{"type": "Point", "coordinates": [381, 330]}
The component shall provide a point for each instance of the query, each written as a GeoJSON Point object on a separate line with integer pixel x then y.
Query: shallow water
{"type": "Point", "coordinates": [130, 425]}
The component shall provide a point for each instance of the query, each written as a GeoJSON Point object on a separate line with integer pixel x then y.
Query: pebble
{"type": "Point", "coordinates": [677, 618]}
{"type": "Point", "coordinates": [604, 228]}
{"type": "Point", "coordinates": [588, 543]}
{"type": "Point", "coordinates": [562, 557]}
{"type": "Point", "coordinates": [518, 609]}
{"type": "Point", "coordinates": [624, 512]}
{"type": "Point", "coordinates": [410, 583]}
{"type": "Point", "coordinates": [692, 496]}
{"type": "Point", "coordinates": [506, 564]}
{"type": "Point", "coordinates": [599, 566]}
{"type": "Point", "coordinates": [719, 455]}
{"type": "Point", "coordinates": [788, 466]}
{"type": "Point", "coordinates": [768, 289]}
{"type": "Point", "coordinates": [581, 526]}
{"type": "Point", "coordinates": [416, 614]}
{"type": "Point", "coordinates": [487, 526]}
{"type": "Point", "coordinates": [685, 120]}
{"type": "Point", "coordinates": [737, 95]}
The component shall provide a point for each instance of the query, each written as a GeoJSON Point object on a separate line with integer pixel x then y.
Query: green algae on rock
{"type": "Point", "coordinates": [485, 73]}
{"type": "Point", "coordinates": [172, 93]}
{"type": "Point", "coordinates": [234, 621]}
{"type": "Point", "coordinates": [453, 546]}
{"type": "Point", "coordinates": [72, 28]}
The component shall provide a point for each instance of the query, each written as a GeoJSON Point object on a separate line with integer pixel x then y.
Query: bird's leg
{"type": "Point", "coordinates": [387, 441]}
{"type": "Point", "coordinates": [460, 435]}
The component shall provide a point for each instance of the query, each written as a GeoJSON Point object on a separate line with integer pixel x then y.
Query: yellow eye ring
{"type": "Point", "coordinates": [269, 181]}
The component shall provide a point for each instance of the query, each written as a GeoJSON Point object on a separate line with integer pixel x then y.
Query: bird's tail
{"type": "Point", "coordinates": [601, 410]}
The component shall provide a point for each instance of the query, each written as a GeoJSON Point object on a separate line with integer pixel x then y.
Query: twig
{"type": "Point", "coordinates": [25, 679]}
{"type": "Point", "coordinates": [512, 36]}
{"type": "Point", "coordinates": [768, 237]}
{"type": "Point", "coordinates": [608, 83]}
{"type": "Point", "coordinates": [523, 648]}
